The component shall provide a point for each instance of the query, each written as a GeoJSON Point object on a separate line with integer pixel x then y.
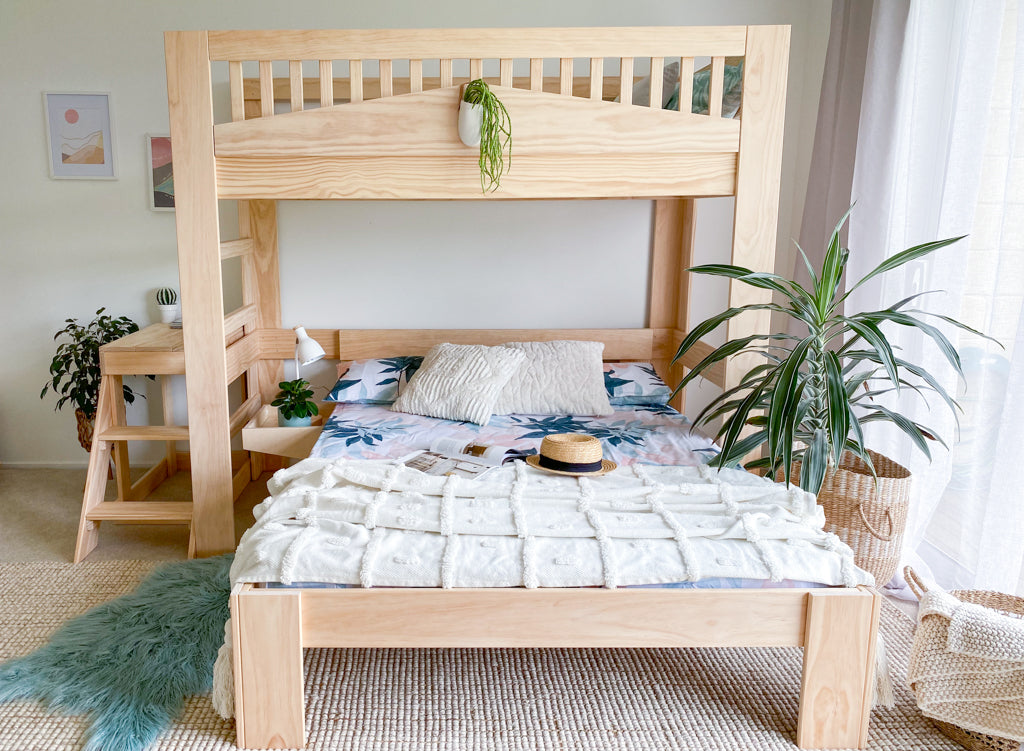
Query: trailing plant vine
{"type": "Point", "coordinates": [495, 134]}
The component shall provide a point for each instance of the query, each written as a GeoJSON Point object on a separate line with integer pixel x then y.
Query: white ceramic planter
{"type": "Point", "coordinates": [168, 312]}
{"type": "Point", "coordinates": [470, 119]}
{"type": "Point", "coordinates": [293, 422]}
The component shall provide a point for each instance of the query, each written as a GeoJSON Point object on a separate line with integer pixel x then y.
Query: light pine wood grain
{"type": "Point", "coordinates": [326, 83]}
{"type": "Point", "coordinates": [189, 94]}
{"type": "Point", "coordinates": [427, 44]}
{"type": "Point", "coordinates": [268, 695]}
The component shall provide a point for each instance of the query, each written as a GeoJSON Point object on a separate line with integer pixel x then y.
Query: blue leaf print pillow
{"type": "Point", "coordinates": [374, 381]}
{"type": "Point", "coordinates": [632, 383]}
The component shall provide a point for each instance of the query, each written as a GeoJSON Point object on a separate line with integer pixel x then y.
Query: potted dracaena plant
{"type": "Point", "coordinates": [804, 403]}
{"type": "Point", "coordinates": [75, 368]}
{"type": "Point", "coordinates": [295, 409]}
{"type": "Point", "coordinates": [484, 120]}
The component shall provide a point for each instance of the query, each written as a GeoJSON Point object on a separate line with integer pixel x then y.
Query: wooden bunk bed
{"type": "Point", "coordinates": [570, 142]}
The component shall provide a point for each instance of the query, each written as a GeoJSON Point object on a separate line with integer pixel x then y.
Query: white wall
{"type": "Point", "coordinates": [69, 247]}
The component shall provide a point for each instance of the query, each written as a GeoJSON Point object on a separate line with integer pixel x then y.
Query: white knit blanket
{"type": "Point", "coordinates": [967, 665]}
{"type": "Point", "coordinates": [378, 523]}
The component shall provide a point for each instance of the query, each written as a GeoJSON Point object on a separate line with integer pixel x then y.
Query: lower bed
{"type": "Point", "coordinates": [648, 556]}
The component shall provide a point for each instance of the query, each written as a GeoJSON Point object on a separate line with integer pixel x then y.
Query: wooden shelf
{"type": "Point", "coordinates": [145, 433]}
{"type": "Point", "coordinates": [263, 435]}
{"type": "Point", "coordinates": [142, 512]}
{"type": "Point", "coordinates": [154, 350]}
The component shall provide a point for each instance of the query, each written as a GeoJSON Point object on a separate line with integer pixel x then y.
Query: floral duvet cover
{"type": "Point", "coordinates": [645, 434]}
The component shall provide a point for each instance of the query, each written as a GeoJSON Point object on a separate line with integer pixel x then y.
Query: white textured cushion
{"type": "Point", "coordinates": [459, 382]}
{"type": "Point", "coordinates": [557, 378]}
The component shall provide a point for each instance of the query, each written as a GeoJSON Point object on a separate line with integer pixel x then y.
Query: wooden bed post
{"type": "Point", "coordinates": [755, 222]}
{"type": "Point", "coordinates": [267, 635]}
{"type": "Point", "coordinates": [189, 96]}
{"type": "Point", "coordinates": [839, 668]}
{"type": "Point", "coordinates": [671, 255]}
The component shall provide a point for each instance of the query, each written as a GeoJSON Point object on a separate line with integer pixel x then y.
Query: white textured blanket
{"type": "Point", "coordinates": [377, 523]}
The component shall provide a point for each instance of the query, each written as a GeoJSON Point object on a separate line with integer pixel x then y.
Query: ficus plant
{"type": "Point", "coordinates": [293, 400]}
{"type": "Point", "coordinates": [495, 134]}
{"type": "Point", "coordinates": [75, 368]}
{"type": "Point", "coordinates": [810, 394]}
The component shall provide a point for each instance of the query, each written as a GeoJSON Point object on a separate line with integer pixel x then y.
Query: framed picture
{"type": "Point", "coordinates": [161, 173]}
{"type": "Point", "coordinates": [79, 136]}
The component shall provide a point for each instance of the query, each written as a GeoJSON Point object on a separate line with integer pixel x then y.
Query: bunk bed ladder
{"type": "Point", "coordinates": [110, 441]}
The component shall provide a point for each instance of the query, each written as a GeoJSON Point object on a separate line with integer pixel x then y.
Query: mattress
{"type": "Point", "coordinates": [651, 434]}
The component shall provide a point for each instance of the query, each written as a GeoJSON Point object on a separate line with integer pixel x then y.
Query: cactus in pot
{"type": "Point", "coordinates": [167, 301]}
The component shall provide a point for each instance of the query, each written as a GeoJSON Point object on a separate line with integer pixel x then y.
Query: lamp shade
{"type": "Point", "coordinates": [307, 349]}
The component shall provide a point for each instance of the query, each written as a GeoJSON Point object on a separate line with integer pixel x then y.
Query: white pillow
{"type": "Point", "coordinates": [557, 378]}
{"type": "Point", "coordinates": [459, 382]}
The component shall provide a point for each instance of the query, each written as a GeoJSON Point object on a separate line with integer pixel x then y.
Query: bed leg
{"type": "Point", "coordinates": [839, 668]}
{"type": "Point", "coordinates": [269, 710]}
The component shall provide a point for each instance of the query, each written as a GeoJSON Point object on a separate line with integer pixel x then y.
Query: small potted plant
{"type": "Point", "coordinates": [167, 301]}
{"type": "Point", "coordinates": [75, 368]}
{"type": "Point", "coordinates": [484, 120]}
{"type": "Point", "coordinates": [808, 396]}
{"type": "Point", "coordinates": [295, 409]}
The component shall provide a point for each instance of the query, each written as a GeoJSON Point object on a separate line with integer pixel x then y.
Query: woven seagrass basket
{"type": "Point", "coordinates": [869, 519]}
{"type": "Point", "coordinates": [1004, 603]}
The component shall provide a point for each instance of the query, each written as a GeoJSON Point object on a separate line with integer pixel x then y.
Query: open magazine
{"type": "Point", "coordinates": [454, 456]}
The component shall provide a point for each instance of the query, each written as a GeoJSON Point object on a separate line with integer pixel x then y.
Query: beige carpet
{"type": "Point", "coordinates": [405, 700]}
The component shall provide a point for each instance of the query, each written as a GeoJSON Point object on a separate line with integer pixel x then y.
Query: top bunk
{"type": "Point", "coordinates": [362, 114]}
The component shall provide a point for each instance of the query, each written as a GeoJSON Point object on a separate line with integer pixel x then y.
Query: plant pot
{"type": "Point", "coordinates": [870, 520]}
{"type": "Point", "coordinates": [293, 422]}
{"type": "Point", "coordinates": [168, 313]}
{"type": "Point", "coordinates": [86, 428]}
{"type": "Point", "coordinates": [470, 120]}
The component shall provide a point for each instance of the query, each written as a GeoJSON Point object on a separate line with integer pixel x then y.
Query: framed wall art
{"type": "Point", "coordinates": [79, 136]}
{"type": "Point", "coordinates": [161, 173]}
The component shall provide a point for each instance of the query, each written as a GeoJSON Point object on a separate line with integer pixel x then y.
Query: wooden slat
{"type": "Point", "coordinates": [835, 690]}
{"type": "Point", "coordinates": [542, 176]}
{"type": "Point", "coordinates": [241, 479]}
{"type": "Point", "coordinates": [237, 90]}
{"type": "Point", "coordinates": [145, 433]}
{"type": "Point", "coordinates": [268, 695]}
{"type": "Point", "coordinates": [326, 83]}
{"type": "Point", "coordinates": [244, 413]}
{"type": "Point", "coordinates": [626, 80]}
{"type": "Point", "coordinates": [295, 85]}
{"type": "Point", "coordinates": [552, 618]}
{"type": "Point", "coordinates": [476, 69]}
{"type": "Point", "coordinates": [686, 84]}
{"type": "Point", "coordinates": [386, 76]}
{"type": "Point", "coordinates": [190, 100]}
{"type": "Point", "coordinates": [446, 72]}
{"type": "Point", "coordinates": [96, 475]}
{"type": "Point", "coordinates": [657, 82]}
{"type": "Point", "coordinates": [143, 512]}
{"type": "Point", "coordinates": [426, 44]}
{"type": "Point", "coordinates": [352, 344]}
{"type": "Point", "coordinates": [355, 77]}
{"type": "Point", "coordinates": [150, 481]}
{"type": "Point", "coordinates": [167, 397]}
{"type": "Point", "coordinates": [371, 87]}
{"type": "Point", "coordinates": [234, 248]}
{"type": "Point", "coordinates": [545, 124]}
{"type": "Point", "coordinates": [716, 86]}
{"type": "Point", "coordinates": [279, 344]}
{"type": "Point", "coordinates": [536, 74]}
{"type": "Point", "coordinates": [596, 78]}
{"type": "Point", "coordinates": [505, 71]}
{"type": "Point", "coordinates": [565, 76]}
{"type": "Point", "coordinates": [265, 286]}
{"type": "Point", "coordinates": [117, 408]}
{"type": "Point", "coordinates": [143, 363]}
{"type": "Point", "coordinates": [415, 76]}
{"type": "Point", "coordinates": [266, 88]}
{"type": "Point", "coordinates": [241, 356]}
{"type": "Point", "coordinates": [241, 316]}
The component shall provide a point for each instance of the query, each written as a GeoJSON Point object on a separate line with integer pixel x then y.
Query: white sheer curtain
{"type": "Point", "coordinates": [939, 153]}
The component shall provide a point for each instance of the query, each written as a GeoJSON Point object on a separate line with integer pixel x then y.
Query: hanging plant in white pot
{"type": "Point", "coordinates": [484, 120]}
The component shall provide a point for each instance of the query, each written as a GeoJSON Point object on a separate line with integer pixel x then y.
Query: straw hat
{"type": "Point", "coordinates": [571, 454]}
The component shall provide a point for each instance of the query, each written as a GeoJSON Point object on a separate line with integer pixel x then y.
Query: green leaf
{"type": "Point", "coordinates": [912, 429]}
{"type": "Point", "coordinates": [873, 336]}
{"type": "Point", "coordinates": [815, 463]}
{"type": "Point", "coordinates": [785, 397]}
{"type": "Point", "coordinates": [906, 256]}
{"type": "Point", "coordinates": [838, 406]}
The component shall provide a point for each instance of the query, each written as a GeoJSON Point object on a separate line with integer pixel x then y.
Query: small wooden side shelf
{"type": "Point", "coordinates": [262, 434]}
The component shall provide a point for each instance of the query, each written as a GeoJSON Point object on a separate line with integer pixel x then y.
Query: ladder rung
{"type": "Point", "coordinates": [145, 433]}
{"type": "Point", "coordinates": [143, 512]}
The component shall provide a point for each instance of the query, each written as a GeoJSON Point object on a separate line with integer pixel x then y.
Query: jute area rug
{"type": "Point", "coordinates": [523, 699]}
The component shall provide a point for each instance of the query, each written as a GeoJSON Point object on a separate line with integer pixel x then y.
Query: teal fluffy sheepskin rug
{"type": "Point", "coordinates": [131, 662]}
